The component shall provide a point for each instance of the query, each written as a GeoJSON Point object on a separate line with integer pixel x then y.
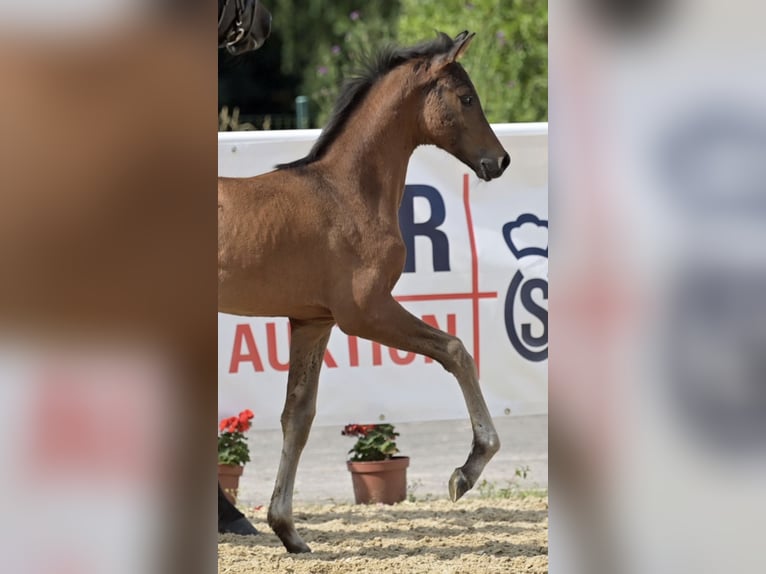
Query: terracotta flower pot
{"type": "Point", "coordinates": [380, 481]}
{"type": "Point", "coordinates": [228, 476]}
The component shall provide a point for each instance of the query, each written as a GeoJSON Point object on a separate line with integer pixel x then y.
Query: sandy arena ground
{"type": "Point", "coordinates": [471, 536]}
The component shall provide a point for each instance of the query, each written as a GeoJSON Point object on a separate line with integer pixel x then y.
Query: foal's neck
{"type": "Point", "coordinates": [374, 148]}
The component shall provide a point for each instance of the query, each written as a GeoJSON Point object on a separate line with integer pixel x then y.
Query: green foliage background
{"type": "Point", "coordinates": [315, 44]}
{"type": "Point", "coordinates": [508, 58]}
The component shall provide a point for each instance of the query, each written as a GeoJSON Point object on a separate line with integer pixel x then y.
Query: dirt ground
{"type": "Point", "coordinates": [471, 536]}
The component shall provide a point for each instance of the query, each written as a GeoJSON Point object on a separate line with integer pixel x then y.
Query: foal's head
{"type": "Point", "coordinates": [452, 117]}
{"type": "Point", "coordinates": [442, 97]}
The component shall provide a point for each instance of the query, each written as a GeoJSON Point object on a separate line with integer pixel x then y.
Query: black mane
{"type": "Point", "coordinates": [356, 87]}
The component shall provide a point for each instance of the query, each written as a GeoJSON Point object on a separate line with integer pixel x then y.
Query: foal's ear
{"type": "Point", "coordinates": [461, 43]}
{"type": "Point", "coordinates": [459, 46]}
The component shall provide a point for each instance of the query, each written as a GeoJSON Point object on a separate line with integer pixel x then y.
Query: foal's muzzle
{"type": "Point", "coordinates": [493, 167]}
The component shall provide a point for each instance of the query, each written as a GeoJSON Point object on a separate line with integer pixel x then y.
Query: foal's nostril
{"type": "Point", "coordinates": [504, 162]}
{"type": "Point", "coordinates": [488, 169]}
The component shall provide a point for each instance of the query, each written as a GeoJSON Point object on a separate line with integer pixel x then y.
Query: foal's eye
{"type": "Point", "coordinates": [467, 100]}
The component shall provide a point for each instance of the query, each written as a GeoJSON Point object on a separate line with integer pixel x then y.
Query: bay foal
{"type": "Point", "coordinates": [318, 239]}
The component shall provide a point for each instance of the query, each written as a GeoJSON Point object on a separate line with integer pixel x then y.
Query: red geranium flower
{"type": "Point", "coordinates": [232, 445]}
{"type": "Point", "coordinates": [226, 424]}
{"type": "Point", "coordinates": [244, 419]}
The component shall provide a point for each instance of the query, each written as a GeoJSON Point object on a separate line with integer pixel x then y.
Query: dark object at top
{"type": "Point", "coordinates": [243, 25]}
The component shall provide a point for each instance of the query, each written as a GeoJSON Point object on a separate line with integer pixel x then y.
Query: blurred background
{"type": "Point", "coordinates": [107, 287]}
{"type": "Point", "coordinates": [657, 335]}
{"type": "Point", "coordinates": [316, 44]}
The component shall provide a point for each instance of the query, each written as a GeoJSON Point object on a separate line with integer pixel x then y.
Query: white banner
{"type": "Point", "coordinates": [477, 267]}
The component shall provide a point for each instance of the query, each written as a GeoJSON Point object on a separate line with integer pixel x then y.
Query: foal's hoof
{"type": "Point", "coordinates": [458, 485]}
{"type": "Point", "coordinates": [299, 547]}
{"type": "Point", "coordinates": [239, 526]}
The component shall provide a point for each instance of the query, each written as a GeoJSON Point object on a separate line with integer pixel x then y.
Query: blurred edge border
{"type": "Point", "coordinates": [108, 226]}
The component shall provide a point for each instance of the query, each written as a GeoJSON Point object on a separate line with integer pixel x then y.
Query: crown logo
{"type": "Point", "coordinates": [527, 235]}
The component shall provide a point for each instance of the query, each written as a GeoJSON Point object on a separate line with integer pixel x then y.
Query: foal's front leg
{"type": "Point", "coordinates": [307, 347]}
{"type": "Point", "coordinates": [384, 320]}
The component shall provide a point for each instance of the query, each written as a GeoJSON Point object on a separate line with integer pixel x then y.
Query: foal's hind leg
{"type": "Point", "coordinates": [307, 347]}
{"type": "Point", "coordinates": [385, 321]}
